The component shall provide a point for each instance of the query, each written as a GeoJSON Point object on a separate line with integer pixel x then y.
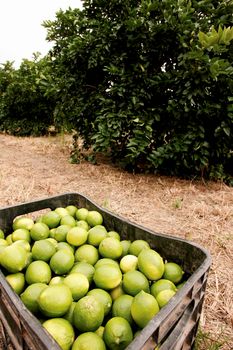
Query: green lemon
{"type": "Point", "coordinates": [135, 281]}
{"type": "Point", "coordinates": [122, 307]}
{"type": "Point", "coordinates": [78, 284]}
{"type": "Point", "coordinates": [106, 261]}
{"type": "Point", "coordinates": [144, 307]}
{"type": "Point", "coordinates": [83, 224]}
{"type": "Point", "coordinates": [77, 236]}
{"type": "Point", "coordinates": [87, 341]}
{"type": "Point", "coordinates": [16, 281]}
{"type": "Point", "coordinates": [14, 258]}
{"type": "Point", "coordinates": [30, 296]}
{"type": "Point", "coordinates": [55, 300]}
{"type": "Point", "coordinates": [88, 314]}
{"type": "Point", "coordinates": [61, 330]}
{"type": "Point", "coordinates": [56, 280]}
{"type": "Point", "coordinates": [173, 272]}
{"type": "Point", "coordinates": [71, 209]}
{"type": "Point", "coordinates": [23, 222]}
{"type": "Point", "coordinates": [39, 231]}
{"type": "Point", "coordinates": [81, 214]}
{"type": "Point", "coordinates": [103, 297]}
{"type": "Point", "coordinates": [96, 234]}
{"type": "Point", "coordinates": [107, 277]}
{"type": "Point", "coordinates": [61, 212]}
{"type": "Point", "coordinates": [43, 250]}
{"type": "Point", "coordinates": [21, 234]}
{"type": "Point", "coordinates": [117, 333]}
{"type": "Point", "coordinates": [128, 263]}
{"type": "Point", "coordinates": [68, 220]}
{"type": "Point", "coordinates": [151, 264]}
{"type": "Point", "coordinates": [164, 296]}
{"type": "Point", "coordinates": [114, 234]}
{"type": "Point", "coordinates": [38, 271]}
{"type": "Point", "coordinates": [51, 219]}
{"type": "Point", "coordinates": [94, 218]}
{"type": "Point", "coordinates": [65, 245]}
{"type": "Point", "coordinates": [62, 261]}
{"type": "Point", "coordinates": [86, 269]}
{"type": "Point", "coordinates": [111, 248]}
{"type": "Point", "coordinates": [160, 285]}
{"type": "Point", "coordinates": [137, 246]}
{"type": "Point", "coordinates": [61, 232]}
{"type": "Point", "coordinates": [87, 253]}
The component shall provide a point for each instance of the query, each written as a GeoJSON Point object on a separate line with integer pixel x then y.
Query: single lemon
{"type": "Point", "coordinates": [38, 271]}
{"type": "Point", "coordinates": [14, 258]}
{"type": "Point", "coordinates": [39, 231]}
{"type": "Point", "coordinates": [151, 264]}
{"type": "Point", "coordinates": [107, 277]}
{"type": "Point", "coordinates": [128, 263]}
{"type": "Point", "coordinates": [23, 222]}
{"type": "Point", "coordinates": [103, 297]}
{"type": "Point", "coordinates": [77, 236]}
{"type": "Point", "coordinates": [111, 248]}
{"type": "Point", "coordinates": [94, 218]}
{"type": "Point", "coordinates": [43, 250]}
{"type": "Point", "coordinates": [88, 314]}
{"type": "Point", "coordinates": [122, 307]}
{"type": "Point", "coordinates": [137, 246]}
{"type": "Point", "coordinates": [117, 333]}
{"type": "Point", "coordinates": [51, 219]}
{"type": "Point", "coordinates": [62, 261]}
{"type": "Point", "coordinates": [144, 307]}
{"type": "Point", "coordinates": [87, 253]}
{"type": "Point", "coordinates": [164, 296]}
{"type": "Point", "coordinates": [96, 234]}
{"type": "Point", "coordinates": [81, 214]}
{"type": "Point", "coordinates": [61, 330]}
{"type": "Point", "coordinates": [135, 281]}
{"type": "Point", "coordinates": [55, 300]}
{"type": "Point", "coordinates": [173, 272]}
{"type": "Point", "coordinates": [16, 281]}
{"type": "Point", "coordinates": [78, 284]}
{"type": "Point", "coordinates": [87, 341]}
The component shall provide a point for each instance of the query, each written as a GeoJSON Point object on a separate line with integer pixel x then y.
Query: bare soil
{"type": "Point", "coordinates": [202, 212]}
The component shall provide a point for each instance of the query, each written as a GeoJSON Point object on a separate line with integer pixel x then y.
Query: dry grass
{"type": "Point", "coordinates": [202, 212]}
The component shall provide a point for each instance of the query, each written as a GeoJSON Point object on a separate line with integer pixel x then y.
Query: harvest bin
{"type": "Point", "coordinates": [173, 328]}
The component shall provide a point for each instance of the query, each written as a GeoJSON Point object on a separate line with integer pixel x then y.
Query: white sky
{"type": "Point", "coordinates": [21, 32]}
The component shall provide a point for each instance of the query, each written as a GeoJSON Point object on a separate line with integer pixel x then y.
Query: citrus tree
{"type": "Point", "coordinates": [25, 106]}
{"type": "Point", "coordinates": [149, 82]}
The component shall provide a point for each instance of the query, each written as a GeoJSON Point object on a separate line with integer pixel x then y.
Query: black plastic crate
{"type": "Point", "coordinates": [173, 328]}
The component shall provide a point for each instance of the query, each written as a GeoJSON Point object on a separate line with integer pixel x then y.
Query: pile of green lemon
{"type": "Point", "coordinates": [89, 288]}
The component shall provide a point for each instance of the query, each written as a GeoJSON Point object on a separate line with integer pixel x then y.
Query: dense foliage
{"type": "Point", "coordinates": [149, 82]}
{"type": "Point", "coordinates": [25, 109]}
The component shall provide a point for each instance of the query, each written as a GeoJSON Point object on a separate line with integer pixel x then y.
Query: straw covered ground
{"type": "Point", "coordinates": [202, 212]}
